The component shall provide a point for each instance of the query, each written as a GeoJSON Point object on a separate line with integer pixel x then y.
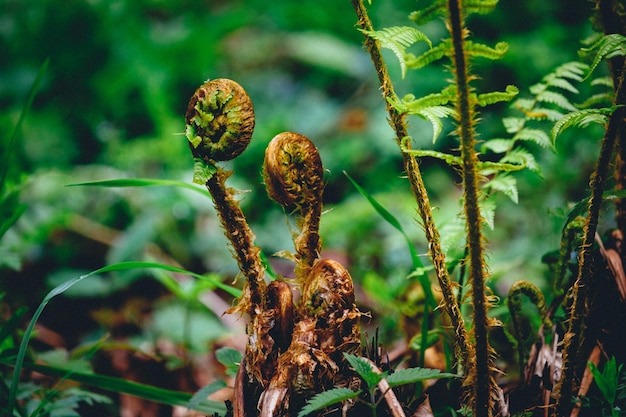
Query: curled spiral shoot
{"type": "Point", "coordinates": [293, 175]}
{"type": "Point", "coordinates": [220, 121]}
{"type": "Point", "coordinates": [293, 171]}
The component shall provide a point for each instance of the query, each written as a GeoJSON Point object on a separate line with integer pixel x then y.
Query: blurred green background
{"type": "Point", "coordinates": [112, 102]}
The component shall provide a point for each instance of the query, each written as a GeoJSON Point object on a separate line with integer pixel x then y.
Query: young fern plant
{"type": "Point", "coordinates": [460, 101]}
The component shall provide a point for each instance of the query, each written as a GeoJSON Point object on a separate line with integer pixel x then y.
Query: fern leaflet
{"type": "Point", "coordinates": [484, 51]}
{"type": "Point", "coordinates": [498, 145]}
{"type": "Point", "coordinates": [608, 46]}
{"type": "Point", "coordinates": [537, 136]}
{"type": "Point", "coordinates": [430, 56]}
{"type": "Point", "coordinates": [557, 99]}
{"type": "Point", "coordinates": [521, 157]}
{"type": "Point", "coordinates": [429, 13]}
{"type": "Point", "coordinates": [581, 118]}
{"type": "Point", "coordinates": [506, 184]}
{"type": "Point", "coordinates": [326, 398]}
{"type": "Point", "coordinates": [479, 6]}
{"type": "Point", "coordinates": [397, 39]}
{"type": "Point", "coordinates": [572, 70]}
{"type": "Point", "coordinates": [497, 96]}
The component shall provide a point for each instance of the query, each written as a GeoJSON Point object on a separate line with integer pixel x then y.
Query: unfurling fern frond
{"type": "Point", "coordinates": [497, 96]}
{"type": "Point", "coordinates": [581, 118]}
{"type": "Point", "coordinates": [607, 47]}
{"type": "Point", "coordinates": [397, 39]}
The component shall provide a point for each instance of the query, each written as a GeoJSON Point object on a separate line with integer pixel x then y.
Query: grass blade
{"type": "Point", "coordinates": [29, 101]}
{"type": "Point", "coordinates": [415, 258]}
{"type": "Point", "coordinates": [66, 285]}
{"type": "Point", "coordinates": [147, 392]}
{"type": "Point", "coordinates": [142, 182]}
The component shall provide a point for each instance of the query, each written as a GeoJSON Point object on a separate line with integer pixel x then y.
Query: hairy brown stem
{"type": "Point", "coordinates": [570, 374]}
{"type": "Point", "coordinates": [465, 110]}
{"type": "Point", "coordinates": [236, 229]}
{"type": "Point", "coordinates": [411, 166]}
{"type": "Point", "coordinates": [613, 22]}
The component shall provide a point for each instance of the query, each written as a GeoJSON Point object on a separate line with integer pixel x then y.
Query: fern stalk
{"type": "Point", "coordinates": [411, 166]}
{"type": "Point", "coordinates": [613, 22]}
{"type": "Point", "coordinates": [465, 111]}
{"type": "Point", "coordinates": [580, 293]}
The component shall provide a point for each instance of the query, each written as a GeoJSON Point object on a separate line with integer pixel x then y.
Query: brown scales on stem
{"type": "Point", "coordinates": [293, 351]}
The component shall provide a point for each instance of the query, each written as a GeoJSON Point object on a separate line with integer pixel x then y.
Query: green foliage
{"type": "Point", "coordinates": [607, 381]}
{"type": "Point", "coordinates": [413, 375]}
{"type": "Point", "coordinates": [397, 39]}
{"type": "Point", "coordinates": [365, 370]}
{"type": "Point", "coordinates": [372, 378]}
{"type": "Point", "coordinates": [581, 118]}
{"type": "Point", "coordinates": [607, 47]}
{"type": "Point", "coordinates": [230, 358]}
{"type": "Point", "coordinates": [328, 398]}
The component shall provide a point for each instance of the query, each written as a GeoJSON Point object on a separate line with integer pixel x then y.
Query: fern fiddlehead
{"type": "Point", "coordinates": [514, 305]}
{"type": "Point", "coordinates": [294, 174]}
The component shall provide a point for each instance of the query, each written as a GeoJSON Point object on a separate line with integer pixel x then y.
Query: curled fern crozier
{"type": "Point", "coordinates": [220, 121]}
{"type": "Point", "coordinates": [293, 171]}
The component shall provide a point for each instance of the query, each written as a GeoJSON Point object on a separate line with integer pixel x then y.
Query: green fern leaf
{"type": "Point", "coordinates": [484, 51]}
{"type": "Point", "coordinates": [607, 47]}
{"type": "Point", "coordinates": [541, 113]}
{"type": "Point", "coordinates": [488, 167]}
{"type": "Point", "coordinates": [479, 6]}
{"type": "Point", "coordinates": [434, 115]}
{"type": "Point", "coordinates": [504, 183]}
{"type": "Point", "coordinates": [537, 136]}
{"type": "Point", "coordinates": [420, 17]}
{"type": "Point", "coordinates": [365, 370]}
{"type": "Point", "coordinates": [573, 70]}
{"type": "Point", "coordinates": [557, 99]}
{"type": "Point", "coordinates": [487, 208]}
{"type": "Point", "coordinates": [596, 100]}
{"type": "Point", "coordinates": [430, 56]}
{"type": "Point", "coordinates": [447, 158]}
{"type": "Point", "coordinates": [413, 375]}
{"type": "Point", "coordinates": [497, 96]}
{"type": "Point", "coordinates": [498, 145]}
{"type": "Point", "coordinates": [551, 80]}
{"type": "Point", "coordinates": [327, 398]}
{"type": "Point", "coordinates": [397, 39]}
{"type": "Point", "coordinates": [581, 118]}
{"type": "Point", "coordinates": [521, 157]}
{"type": "Point", "coordinates": [410, 104]}
{"type": "Point", "coordinates": [513, 124]}
{"type": "Point", "coordinates": [604, 81]}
